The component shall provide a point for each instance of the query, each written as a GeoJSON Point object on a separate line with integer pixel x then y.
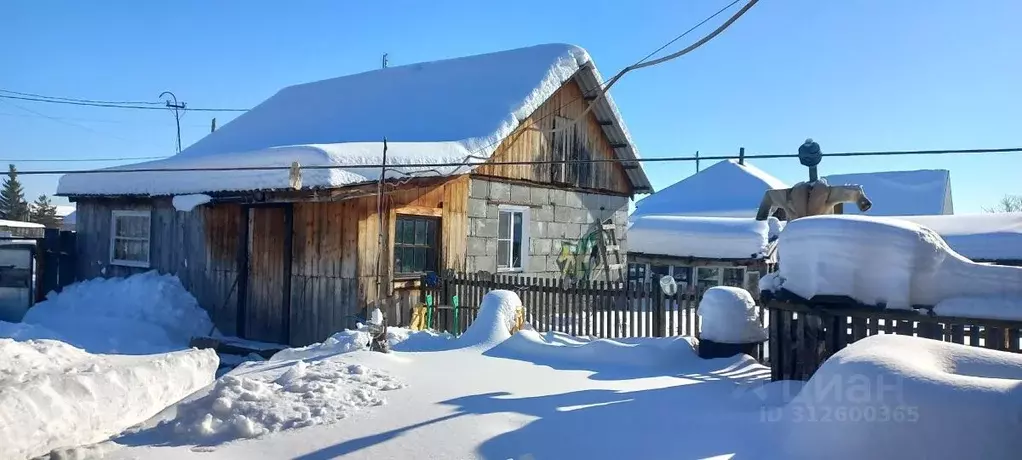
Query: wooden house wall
{"type": "Point", "coordinates": [200, 247]}
{"type": "Point", "coordinates": [583, 141]}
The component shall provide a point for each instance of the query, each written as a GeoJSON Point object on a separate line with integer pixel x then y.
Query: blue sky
{"type": "Point", "coordinates": [854, 74]}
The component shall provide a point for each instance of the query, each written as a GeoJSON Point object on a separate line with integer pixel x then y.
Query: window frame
{"type": "Point", "coordinates": [435, 244]}
{"type": "Point", "coordinates": [525, 248]}
{"type": "Point", "coordinates": [113, 238]}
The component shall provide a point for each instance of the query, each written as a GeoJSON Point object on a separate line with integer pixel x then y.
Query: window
{"type": "Point", "coordinates": [416, 239]}
{"type": "Point", "coordinates": [734, 277]}
{"type": "Point", "coordinates": [682, 276]}
{"type": "Point", "coordinates": [129, 238]}
{"type": "Point", "coordinates": [512, 238]}
{"type": "Point", "coordinates": [707, 277]}
{"type": "Point", "coordinates": [637, 272]}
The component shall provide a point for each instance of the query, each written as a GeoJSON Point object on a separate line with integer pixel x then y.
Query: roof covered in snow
{"type": "Point", "coordinates": [703, 237]}
{"type": "Point", "coordinates": [726, 189]}
{"type": "Point", "coordinates": [455, 111]}
{"type": "Point", "coordinates": [65, 210]}
{"type": "Point", "coordinates": [901, 193]}
{"type": "Point", "coordinates": [19, 224]}
{"type": "Point", "coordinates": [980, 237]}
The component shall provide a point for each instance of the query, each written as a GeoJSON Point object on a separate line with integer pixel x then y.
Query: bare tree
{"type": "Point", "coordinates": [1008, 203]}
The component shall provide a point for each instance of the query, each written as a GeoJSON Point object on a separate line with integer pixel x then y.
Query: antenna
{"type": "Point", "coordinates": [385, 60]}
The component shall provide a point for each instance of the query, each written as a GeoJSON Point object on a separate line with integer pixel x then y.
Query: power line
{"type": "Point", "coordinates": [74, 160]}
{"type": "Point", "coordinates": [679, 37]}
{"type": "Point", "coordinates": [73, 99]}
{"type": "Point", "coordinates": [63, 122]}
{"type": "Point", "coordinates": [115, 105]}
{"type": "Point", "coordinates": [531, 162]}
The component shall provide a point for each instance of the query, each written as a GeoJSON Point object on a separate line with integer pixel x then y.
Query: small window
{"type": "Point", "coordinates": [734, 277]}
{"type": "Point", "coordinates": [682, 275]}
{"type": "Point", "coordinates": [416, 239]}
{"type": "Point", "coordinates": [129, 238]}
{"type": "Point", "coordinates": [707, 277]}
{"type": "Point", "coordinates": [512, 241]}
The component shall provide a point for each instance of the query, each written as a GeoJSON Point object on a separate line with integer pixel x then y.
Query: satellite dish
{"type": "Point", "coordinates": [668, 286]}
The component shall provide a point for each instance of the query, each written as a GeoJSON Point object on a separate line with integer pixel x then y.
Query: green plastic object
{"type": "Point", "coordinates": [457, 325]}
{"type": "Point", "coordinates": [429, 311]}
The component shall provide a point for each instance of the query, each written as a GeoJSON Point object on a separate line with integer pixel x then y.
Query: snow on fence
{"type": "Point", "coordinates": [804, 334]}
{"type": "Point", "coordinates": [594, 309]}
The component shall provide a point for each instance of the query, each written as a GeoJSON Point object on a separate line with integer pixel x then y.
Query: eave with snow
{"type": "Point", "coordinates": [279, 263]}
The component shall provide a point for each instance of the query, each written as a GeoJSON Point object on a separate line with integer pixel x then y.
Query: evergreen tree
{"type": "Point", "coordinates": [44, 212]}
{"type": "Point", "coordinates": [12, 198]}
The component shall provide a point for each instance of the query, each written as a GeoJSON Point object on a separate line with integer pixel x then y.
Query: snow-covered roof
{"type": "Point", "coordinates": [443, 112]}
{"type": "Point", "coordinates": [726, 189]}
{"type": "Point", "coordinates": [702, 237]}
{"type": "Point", "coordinates": [64, 210]}
{"type": "Point", "coordinates": [19, 224]}
{"type": "Point", "coordinates": [982, 237]}
{"type": "Point", "coordinates": [901, 193]}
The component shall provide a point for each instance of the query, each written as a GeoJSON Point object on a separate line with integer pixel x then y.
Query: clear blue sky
{"type": "Point", "coordinates": [853, 74]}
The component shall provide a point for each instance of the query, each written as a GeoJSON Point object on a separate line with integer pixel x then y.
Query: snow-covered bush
{"type": "Point", "coordinates": [729, 316]}
{"type": "Point", "coordinates": [498, 318]}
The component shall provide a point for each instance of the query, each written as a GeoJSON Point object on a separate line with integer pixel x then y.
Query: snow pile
{"type": "Point", "coordinates": [263, 399]}
{"type": "Point", "coordinates": [987, 237]}
{"type": "Point", "coordinates": [771, 282]}
{"type": "Point", "coordinates": [461, 110]}
{"type": "Point", "coordinates": [186, 203]}
{"type": "Point", "coordinates": [901, 193]}
{"type": "Point", "coordinates": [708, 237]}
{"type": "Point", "coordinates": [495, 321]}
{"type": "Point", "coordinates": [23, 331]}
{"type": "Point", "coordinates": [883, 261]}
{"type": "Point", "coordinates": [1006, 308]}
{"type": "Point", "coordinates": [726, 189]}
{"type": "Point", "coordinates": [353, 340]}
{"type": "Point", "coordinates": [141, 314]}
{"type": "Point", "coordinates": [895, 397]}
{"type": "Point", "coordinates": [53, 395]}
{"type": "Point", "coordinates": [729, 316]}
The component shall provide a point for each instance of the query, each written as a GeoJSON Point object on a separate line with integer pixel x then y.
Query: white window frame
{"type": "Point", "coordinates": [524, 210]}
{"type": "Point", "coordinates": [113, 238]}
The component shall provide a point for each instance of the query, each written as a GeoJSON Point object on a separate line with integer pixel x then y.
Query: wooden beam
{"type": "Point", "coordinates": [619, 146]}
{"type": "Point", "coordinates": [242, 273]}
{"type": "Point", "coordinates": [289, 234]}
{"type": "Point", "coordinates": [591, 98]}
{"type": "Point", "coordinates": [419, 211]}
{"type": "Point", "coordinates": [606, 122]}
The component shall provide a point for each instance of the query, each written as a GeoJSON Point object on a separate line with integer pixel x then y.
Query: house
{"type": "Point", "coordinates": [291, 255]}
{"type": "Point", "coordinates": [730, 188]}
{"type": "Point", "coordinates": [702, 252]}
{"type": "Point", "coordinates": [901, 193]}
{"type": "Point", "coordinates": [19, 229]}
{"type": "Point", "coordinates": [992, 237]}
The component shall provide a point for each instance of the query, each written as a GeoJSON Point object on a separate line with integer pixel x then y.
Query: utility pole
{"type": "Point", "coordinates": [385, 60]}
{"type": "Point", "coordinates": [697, 161]}
{"type": "Point", "coordinates": [177, 115]}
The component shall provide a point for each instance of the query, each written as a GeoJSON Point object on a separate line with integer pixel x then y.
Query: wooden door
{"type": "Point", "coordinates": [266, 316]}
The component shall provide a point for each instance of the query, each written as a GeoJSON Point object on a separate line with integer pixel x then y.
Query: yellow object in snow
{"type": "Point", "coordinates": [418, 322]}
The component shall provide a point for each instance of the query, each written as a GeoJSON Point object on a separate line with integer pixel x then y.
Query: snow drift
{"type": "Point", "coordinates": [895, 397]}
{"type": "Point", "coordinates": [142, 314]}
{"type": "Point", "coordinates": [264, 398]}
{"type": "Point", "coordinates": [988, 236]}
{"type": "Point", "coordinates": [53, 395]}
{"type": "Point", "coordinates": [883, 261]}
{"type": "Point", "coordinates": [729, 316]}
{"type": "Point", "coordinates": [709, 237]}
{"type": "Point", "coordinates": [496, 321]}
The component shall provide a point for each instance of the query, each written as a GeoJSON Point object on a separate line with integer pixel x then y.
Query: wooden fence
{"type": "Point", "coordinates": [804, 334]}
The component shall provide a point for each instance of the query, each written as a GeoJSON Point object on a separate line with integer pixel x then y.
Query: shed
{"type": "Point", "coordinates": [702, 252]}
{"type": "Point", "coordinates": [901, 193]}
{"type": "Point", "coordinates": [19, 229]}
{"type": "Point", "coordinates": [729, 188]}
{"type": "Point", "coordinates": [280, 263]}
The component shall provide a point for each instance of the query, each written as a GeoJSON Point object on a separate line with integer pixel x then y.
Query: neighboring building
{"type": "Point", "coordinates": [992, 237]}
{"type": "Point", "coordinates": [702, 252]}
{"type": "Point", "coordinates": [66, 217]}
{"type": "Point", "coordinates": [901, 193]}
{"type": "Point", "coordinates": [19, 229]}
{"type": "Point", "coordinates": [280, 263]}
{"type": "Point", "coordinates": [729, 188]}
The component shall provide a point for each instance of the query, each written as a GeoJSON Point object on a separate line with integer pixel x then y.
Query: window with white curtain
{"type": "Point", "coordinates": [129, 238]}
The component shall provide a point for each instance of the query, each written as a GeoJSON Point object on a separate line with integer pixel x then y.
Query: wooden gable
{"type": "Point", "coordinates": [571, 148]}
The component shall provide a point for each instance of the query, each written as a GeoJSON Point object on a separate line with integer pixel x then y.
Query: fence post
{"type": "Point", "coordinates": [51, 256]}
{"type": "Point", "coordinates": [68, 251]}
{"type": "Point", "coordinates": [658, 313]}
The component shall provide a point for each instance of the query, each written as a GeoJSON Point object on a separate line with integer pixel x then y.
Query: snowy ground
{"type": "Point", "coordinates": [544, 396]}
